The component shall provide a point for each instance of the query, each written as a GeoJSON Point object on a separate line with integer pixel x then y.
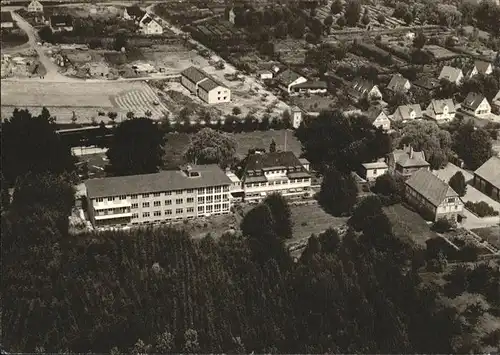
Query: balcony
{"type": "Point", "coordinates": [115, 204]}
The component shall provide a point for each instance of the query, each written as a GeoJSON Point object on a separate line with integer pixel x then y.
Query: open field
{"type": "Point", "coordinates": [409, 224]}
{"type": "Point", "coordinates": [85, 98]}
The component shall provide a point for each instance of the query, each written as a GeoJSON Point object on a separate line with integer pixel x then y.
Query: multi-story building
{"type": "Point", "coordinates": [262, 174]}
{"type": "Point", "coordinates": [204, 86]}
{"type": "Point", "coordinates": [432, 197]}
{"type": "Point", "coordinates": [405, 162]}
{"type": "Point", "coordinates": [169, 195]}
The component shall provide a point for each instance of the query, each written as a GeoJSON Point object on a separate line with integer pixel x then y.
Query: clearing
{"type": "Point", "coordinates": [309, 219]}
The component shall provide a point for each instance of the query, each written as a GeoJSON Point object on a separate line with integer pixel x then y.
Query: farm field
{"type": "Point", "coordinates": [409, 224]}
{"type": "Point", "coordinates": [85, 98]}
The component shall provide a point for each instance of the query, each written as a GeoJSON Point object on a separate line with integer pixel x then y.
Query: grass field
{"type": "Point", "coordinates": [312, 219]}
{"type": "Point", "coordinates": [408, 224]}
{"type": "Point", "coordinates": [491, 234]}
{"type": "Point", "coordinates": [85, 98]}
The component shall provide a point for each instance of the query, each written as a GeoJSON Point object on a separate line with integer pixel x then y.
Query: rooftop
{"type": "Point", "coordinates": [482, 67]}
{"type": "Point", "coordinates": [360, 87]}
{"type": "Point", "coordinates": [432, 188]}
{"type": "Point", "coordinates": [397, 83]}
{"type": "Point", "coordinates": [376, 165]}
{"type": "Point", "coordinates": [312, 85]}
{"type": "Point", "coordinates": [205, 81]}
{"type": "Point", "coordinates": [450, 73]}
{"type": "Point", "coordinates": [168, 180]}
{"type": "Point", "coordinates": [61, 20]}
{"type": "Point", "coordinates": [259, 161]}
{"type": "Point", "coordinates": [439, 105]}
{"type": "Point", "coordinates": [287, 77]}
{"type": "Point", "coordinates": [427, 83]}
{"type": "Point", "coordinates": [473, 100]}
{"type": "Point", "coordinates": [406, 110]}
{"type": "Point", "coordinates": [407, 157]}
{"type": "Point", "coordinates": [490, 171]}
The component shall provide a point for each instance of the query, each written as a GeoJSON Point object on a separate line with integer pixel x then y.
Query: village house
{"type": "Point", "coordinates": [149, 26]}
{"type": "Point", "coordinates": [451, 74]}
{"type": "Point", "coordinates": [427, 84]}
{"type": "Point", "coordinates": [133, 13]}
{"type": "Point", "coordinates": [476, 105]}
{"type": "Point", "coordinates": [441, 110]}
{"type": "Point", "coordinates": [288, 78]}
{"type": "Point", "coordinates": [487, 178]}
{"type": "Point", "coordinates": [496, 102]}
{"type": "Point", "coordinates": [187, 193]}
{"type": "Point", "coordinates": [35, 6]}
{"type": "Point", "coordinates": [204, 86]}
{"type": "Point", "coordinates": [361, 88]}
{"type": "Point", "coordinates": [262, 174]}
{"type": "Point", "coordinates": [7, 22]}
{"type": "Point", "coordinates": [405, 162]}
{"type": "Point", "coordinates": [379, 118]}
{"type": "Point", "coordinates": [371, 171]}
{"type": "Point", "coordinates": [480, 67]}
{"type": "Point", "coordinates": [61, 23]}
{"type": "Point", "coordinates": [264, 74]}
{"type": "Point", "coordinates": [432, 197]}
{"type": "Point", "coordinates": [310, 87]}
{"type": "Point", "coordinates": [407, 113]}
{"type": "Point", "coordinates": [399, 83]}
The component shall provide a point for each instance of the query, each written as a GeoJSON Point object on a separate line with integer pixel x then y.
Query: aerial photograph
{"type": "Point", "coordinates": [250, 177]}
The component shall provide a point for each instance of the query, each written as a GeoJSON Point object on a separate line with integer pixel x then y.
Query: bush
{"type": "Point", "coordinates": [482, 209]}
{"type": "Point", "coordinates": [442, 225]}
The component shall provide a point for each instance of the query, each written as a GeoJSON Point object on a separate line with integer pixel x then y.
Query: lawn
{"type": "Point", "coordinates": [177, 143]}
{"type": "Point", "coordinates": [491, 234]}
{"type": "Point", "coordinates": [309, 219]}
{"type": "Point", "coordinates": [409, 224]}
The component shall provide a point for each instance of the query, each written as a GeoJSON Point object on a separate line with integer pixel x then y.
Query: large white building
{"type": "Point", "coordinates": [204, 86]}
{"type": "Point", "coordinates": [262, 174]}
{"type": "Point", "coordinates": [166, 196]}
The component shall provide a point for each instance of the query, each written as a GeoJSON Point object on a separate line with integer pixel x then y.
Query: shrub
{"type": "Point", "coordinates": [442, 225]}
{"type": "Point", "coordinates": [482, 209]}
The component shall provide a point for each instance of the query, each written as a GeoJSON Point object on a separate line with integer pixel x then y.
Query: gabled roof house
{"type": "Point", "coordinates": [476, 105]}
{"type": "Point", "coordinates": [399, 83]}
{"type": "Point", "coordinates": [404, 162]}
{"type": "Point", "coordinates": [451, 74]}
{"type": "Point", "coordinates": [408, 113]}
{"type": "Point", "coordinates": [362, 88]}
{"type": "Point", "coordinates": [441, 110]}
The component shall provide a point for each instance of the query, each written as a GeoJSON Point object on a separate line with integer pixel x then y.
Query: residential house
{"type": "Point", "coordinates": [399, 83]}
{"type": "Point", "coordinates": [441, 110]}
{"type": "Point", "coordinates": [296, 113]}
{"type": "Point", "coordinates": [405, 162]}
{"type": "Point", "coordinates": [371, 171]}
{"type": "Point", "coordinates": [262, 174]}
{"type": "Point", "coordinates": [476, 105]}
{"type": "Point", "coordinates": [61, 23]}
{"type": "Point", "coordinates": [310, 87]}
{"type": "Point", "coordinates": [166, 196]}
{"type": "Point", "coordinates": [487, 178]}
{"type": "Point", "coordinates": [451, 74]}
{"type": "Point", "coordinates": [427, 84]}
{"type": "Point", "coordinates": [432, 197]}
{"type": "Point", "coordinates": [133, 13]}
{"type": "Point", "coordinates": [204, 86]}
{"type": "Point", "coordinates": [379, 118]}
{"type": "Point", "coordinates": [480, 67]}
{"type": "Point", "coordinates": [264, 74]}
{"type": "Point", "coordinates": [7, 22]}
{"type": "Point", "coordinates": [408, 113]}
{"type": "Point", "coordinates": [98, 70]}
{"type": "Point", "coordinates": [496, 102]}
{"type": "Point", "coordinates": [288, 78]}
{"type": "Point", "coordinates": [361, 88]}
{"type": "Point", "coordinates": [35, 6]}
{"type": "Point", "coordinates": [149, 26]}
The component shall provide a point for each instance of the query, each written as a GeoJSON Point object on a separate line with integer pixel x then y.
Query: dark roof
{"type": "Point", "coordinates": [490, 171]}
{"type": "Point", "coordinates": [168, 180]}
{"type": "Point", "coordinates": [407, 157]}
{"type": "Point", "coordinates": [374, 112]}
{"type": "Point", "coordinates": [287, 77]}
{"type": "Point", "coordinates": [135, 11]}
{"type": "Point", "coordinates": [311, 85]}
{"type": "Point", "coordinates": [427, 83]}
{"type": "Point", "coordinates": [298, 175]}
{"type": "Point", "coordinates": [432, 188]}
{"type": "Point", "coordinates": [397, 83]}
{"type": "Point", "coordinates": [205, 81]}
{"type": "Point", "coordinates": [259, 161]}
{"type": "Point", "coordinates": [406, 110]}
{"type": "Point", "coordinates": [439, 105]}
{"type": "Point", "coordinates": [473, 100]}
{"type": "Point", "coordinates": [146, 20]}
{"type": "Point", "coordinates": [6, 16]}
{"type": "Point", "coordinates": [61, 20]}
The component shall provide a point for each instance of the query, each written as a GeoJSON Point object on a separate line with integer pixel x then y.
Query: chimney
{"type": "Point", "coordinates": [411, 152]}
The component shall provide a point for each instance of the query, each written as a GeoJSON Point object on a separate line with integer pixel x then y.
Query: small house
{"type": "Point", "coordinates": [408, 113]}
{"type": "Point", "coordinates": [35, 6]}
{"type": "Point", "coordinates": [7, 22]}
{"type": "Point", "coordinates": [487, 178]}
{"type": "Point", "coordinates": [441, 110]}
{"type": "Point", "coordinates": [361, 88]}
{"type": "Point", "coordinates": [264, 74]}
{"type": "Point", "coordinates": [149, 26]}
{"type": "Point", "coordinates": [61, 23]}
{"type": "Point", "coordinates": [476, 105]}
{"type": "Point", "coordinates": [371, 171]}
{"type": "Point", "coordinates": [204, 86]}
{"type": "Point", "coordinates": [451, 74]}
{"type": "Point", "coordinates": [399, 83]}
{"type": "Point", "coordinates": [379, 118]}
{"type": "Point", "coordinates": [288, 78]}
{"type": "Point", "coordinates": [432, 197]}
{"type": "Point", "coordinates": [480, 67]}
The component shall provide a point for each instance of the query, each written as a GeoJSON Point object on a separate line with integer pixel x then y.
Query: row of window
{"type": "Point", "coordinates": [208, 190]}
{"type": "Point", "coordinates": [280, 171]}
{"type": "Point", "coordinates": [169, 212]}
{"type": "Point", "coordinates": [278, 182]}
{"type": "Point", "coordinates": [107, 211]}
{"type": "Point", "coordinates": [180, 201]}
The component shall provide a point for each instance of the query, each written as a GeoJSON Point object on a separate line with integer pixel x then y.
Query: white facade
{"type": "Point", "coordinates": [35, 6]}
{"type": "Point", "coordinates": [295, 82]}
{"type": "Point", "coordinates": [215, 93]}
{"type": "Point", "coordinates": [296, 117]}
{"type": "Point", "coordinates": [265, 75]}
{"type": "Point", "coordinates": [278, 182]}
{"type": "Point", "coordinates": [371, 171]}
{"type": "Point", "coordinates": [383, 121]}
{"type": "Point", "coordinates": [483, 110]}
{"type": "Point", "coordinates": [445, 114]}
{"type": "Point", "coordinates": [150, 28]}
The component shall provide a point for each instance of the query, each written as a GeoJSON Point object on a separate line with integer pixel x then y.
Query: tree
{"type": "Point", "coordinates": [130, 115]}
{"type": "Point", "coordinates": [73, 117]}
{"type": "Point", "coordinates": [30, 144]}
{"type": "Point", "coordinates": [341, 22]}
{"type": "Point", "coordinates": [281, 215]}
{"type": "Point", "coordinates": [286, 119]}
{"type": "Point", "coordinates": [458, 184]}
{"type": "Point", "coordinates": [136, 148]}
{"type": "Point", "coordinates": [367, 216]}
{"type": "Point", "coordinates": [366, 18]}
{"type": "Point", "coordinates": [408, 18]}
{"type": "Point", "coordinates": [419, 40]}
{"type": "Point", "coordinates": [164, 343]}
{"type": "Point", "coordinates": [140, 348]}
{"type": "Point", "coordinates": [381, 18]}
{"type": "Point", "coordinates": [400, 10]}
{"type": "Point", "coordinates": [281, 30]}
{"type": "Point", "coordinates": [46, 34]}
{"type": "Point", "coordinates": [191, 345]}
{"type": "Point", "coordinates": [338, 192]}
{"type": "Point", "coordinates": [272, 147]}
{"type": "Point", "coordinates": [352, 12]}
{"type": "Point", "coordinates": [328, 22]}
{"type": "Point", "coordinates": [236, 110]}
{"type": "Point", "coordinates": [112, 116]}
{"type": "Point", "coordinates": [472, 144]}
{"type": "Point", "coordinates": [120, 42]}
{"type": "Point", "coordinates": [211, 147]}
{"type": "Point", "coordinates": [387, 185]}
{"type": "Point", "coordinates": [336, 7]}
